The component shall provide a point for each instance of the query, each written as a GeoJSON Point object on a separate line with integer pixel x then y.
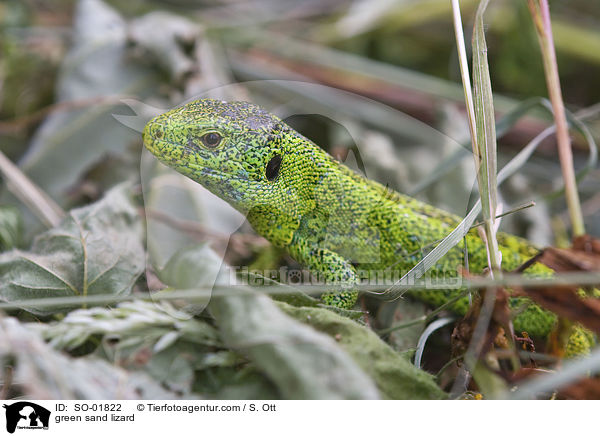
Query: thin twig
{"type": "Point", "coordinates": [509, 212]}
{"type": "Point", "coordinates": [16, 125]}
{"type": "Point", "coordinates": [201, 232]}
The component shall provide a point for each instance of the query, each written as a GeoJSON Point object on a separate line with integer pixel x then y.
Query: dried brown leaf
{"type": "Point", "coordinates": [566, 300]}
{"type": "Point", "coordinates": [586, 389]}
{"type": "Point", "coordinates": [499, 324]}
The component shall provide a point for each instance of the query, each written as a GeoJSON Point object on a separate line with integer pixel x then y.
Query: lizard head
{"type": "Point", "coordinates": [237, 150]}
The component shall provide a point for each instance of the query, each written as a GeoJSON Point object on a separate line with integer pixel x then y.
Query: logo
{"type": "Point", "coordinates": [26, 415]}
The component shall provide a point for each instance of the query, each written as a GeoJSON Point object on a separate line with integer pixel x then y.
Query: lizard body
{"type": "Point", "coordinates": [329, 218]}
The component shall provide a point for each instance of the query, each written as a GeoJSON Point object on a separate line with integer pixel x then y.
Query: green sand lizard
{"type": "Point", "coordinates": [327, 217]}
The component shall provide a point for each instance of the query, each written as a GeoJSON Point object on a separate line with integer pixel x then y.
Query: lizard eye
{"type": "Point", "coordinates": [273, 168]}
{"type": "Point", "coordinates": [211, 139]}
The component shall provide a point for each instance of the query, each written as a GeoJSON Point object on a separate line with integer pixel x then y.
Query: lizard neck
{"type": "Point", "coordinates": [296, 192]}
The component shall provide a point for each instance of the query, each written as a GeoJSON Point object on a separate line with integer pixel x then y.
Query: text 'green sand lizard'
{"type": "Point", "coordinates": [327, 217]}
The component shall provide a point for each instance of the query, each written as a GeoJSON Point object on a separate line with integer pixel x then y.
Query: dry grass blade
{"type": "Point", "coordinates": [573, 371]}
{"type": "Point", "coordinates": [484, 148]}
{"type": "Point", "coordinates": [25, 190]}
{"type": "Point", "coordinates": [480, 111]}
{"type": "Point", "coordinates": [541, 18]}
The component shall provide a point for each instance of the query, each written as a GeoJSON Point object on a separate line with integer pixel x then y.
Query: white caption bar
{"type": "Point", "coordinates": [24, 417]}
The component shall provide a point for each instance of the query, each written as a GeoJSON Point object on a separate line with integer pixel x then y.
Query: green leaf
{"type": "Point", "coordinates": [228, 383]}
{"type": "Point", "coordinates": [43, 372]}
{"type": "Point", "coordinates": [10, 227]}
{"type": "Point", "coordinates": [97, 249]}
{"type": "Point", "coordinates": [301, 362]}
{"type": "Point", "coordinates": [166, 46]}
{"type": "Point", "coordinates": [173, 367]}
{"type": "Point", "coordinates": [145, 323]}
{"type": "Point", "coordinates": [155, 337]}
{"type": "Point", "coordinates": [396, 377]}
{"type": "Point", "coordinates": [196, 266]}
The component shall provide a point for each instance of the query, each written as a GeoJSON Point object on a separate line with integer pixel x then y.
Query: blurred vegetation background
{"type": "Point", "coordinates": [401, 53]}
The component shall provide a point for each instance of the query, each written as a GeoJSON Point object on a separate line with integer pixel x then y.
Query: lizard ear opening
{"type": "Point", "coordinates": [273, 166]}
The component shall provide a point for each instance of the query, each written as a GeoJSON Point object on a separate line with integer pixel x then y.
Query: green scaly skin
{"type": "Point", "coordinates": [330, 219]}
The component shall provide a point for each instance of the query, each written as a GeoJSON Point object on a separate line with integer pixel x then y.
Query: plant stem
{"type": "Point", "coordinates": [541, 18]}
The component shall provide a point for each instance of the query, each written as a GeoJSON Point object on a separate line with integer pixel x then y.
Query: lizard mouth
{"type": "Point", "coordinates": [215, 175]}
